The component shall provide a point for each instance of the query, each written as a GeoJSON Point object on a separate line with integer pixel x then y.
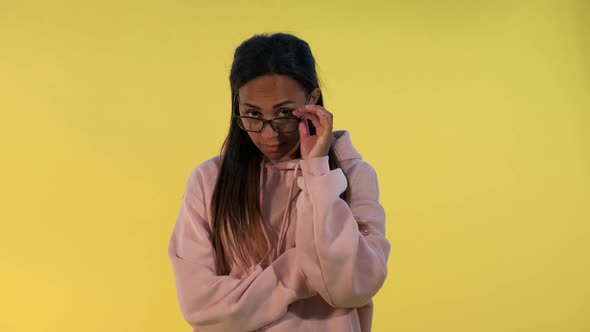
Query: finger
{"type": "Point", "coordinates": [308, 108]}
{"type": "Point", "coordinates": [302, 110]}
{"type": "Point", "coordinates": [314, 119]}
{"type": "Point", "coordinates": [324, 117]}
{"type": "Point", "coordinates": [303, 133]}
{"type": "Point", "coordinates": [315, 109]}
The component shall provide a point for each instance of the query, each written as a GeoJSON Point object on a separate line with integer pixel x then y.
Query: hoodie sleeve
{"type": "Point", "coordinates": [210, 302]}
{"type": "Point", "coordinates": [343, 247]}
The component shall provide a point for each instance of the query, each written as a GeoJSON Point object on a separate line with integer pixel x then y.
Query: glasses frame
{"type": "Point", "coordinates": [271, 121]}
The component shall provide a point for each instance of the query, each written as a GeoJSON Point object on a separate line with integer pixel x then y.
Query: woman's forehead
{"type": "Point", "coordinates": [270, 88]}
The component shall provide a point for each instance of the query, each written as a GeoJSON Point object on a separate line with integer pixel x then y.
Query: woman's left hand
{"type": "Point", "coordinates": [319, 144]}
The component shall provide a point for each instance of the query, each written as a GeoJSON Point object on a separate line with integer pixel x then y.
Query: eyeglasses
{"type": "Point", "coordinates": [287, 124]}
{"type": "Point", "coordinates": [280, 125]}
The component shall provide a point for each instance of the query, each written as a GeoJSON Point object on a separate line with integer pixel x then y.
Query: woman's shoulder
{"type": "Point", "coordinates": [209, 167]}
{"type": "Point", "coordinates": [345, 151]}
{"type": "Point", "coordinates": [204, 176]}
{"type": "Point", "coordinates": [353, 164]}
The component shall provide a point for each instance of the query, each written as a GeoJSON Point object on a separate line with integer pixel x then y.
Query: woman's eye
{"type": "Point", "coordinates": [253, 114]}
{"type": "Point", "coordinates": [285, 112]}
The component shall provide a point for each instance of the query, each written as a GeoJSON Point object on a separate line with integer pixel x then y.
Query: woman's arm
{"type": "Point", "coordinates": [223, 303]}
{"type": "Point", "coordinates": [343, 249]}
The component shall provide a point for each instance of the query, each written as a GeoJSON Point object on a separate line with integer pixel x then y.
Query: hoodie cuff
{"type": "Point", "coordinates": [315, 166]}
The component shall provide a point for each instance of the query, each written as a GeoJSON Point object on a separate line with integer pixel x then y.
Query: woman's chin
{"type": "Point", "coordinates": [281, 152]}
{"type": "Point", "coordinates": [277, 157]}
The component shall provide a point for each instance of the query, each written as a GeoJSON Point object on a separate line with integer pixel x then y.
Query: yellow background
{"type": "Point", "coordinates": [475, 115]}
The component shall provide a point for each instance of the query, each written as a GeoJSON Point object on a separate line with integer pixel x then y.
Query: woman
{"type": "Point", "coordinates": [283, 231]}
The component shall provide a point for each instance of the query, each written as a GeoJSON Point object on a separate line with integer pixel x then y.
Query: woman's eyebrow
{"type": "Point", "coordinates": [275, 106]}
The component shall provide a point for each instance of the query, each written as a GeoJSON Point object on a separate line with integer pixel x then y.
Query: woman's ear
{"type": "Point", "coordinates": [315, 96]}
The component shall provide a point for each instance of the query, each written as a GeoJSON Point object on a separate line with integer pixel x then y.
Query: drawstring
{"type": "Point", "coordinates": [260, 189]}
{"type": "Point", "coordinates": [284, 223]}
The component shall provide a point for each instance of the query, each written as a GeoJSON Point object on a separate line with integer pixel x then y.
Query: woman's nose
{"type": "Point", "coordinates": [268, 131]}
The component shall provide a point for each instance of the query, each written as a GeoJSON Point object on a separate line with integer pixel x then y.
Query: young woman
{"type": "Point", "coordinates": [284, 230]}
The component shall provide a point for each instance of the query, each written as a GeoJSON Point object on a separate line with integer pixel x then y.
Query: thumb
{"type": "Point", "coordinates": [302, 128]}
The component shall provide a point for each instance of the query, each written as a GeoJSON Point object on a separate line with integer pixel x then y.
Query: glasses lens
{"type": "Point", "coordinates": [285, 125]}
{"type": "Point", "coordinates": [250, 124]}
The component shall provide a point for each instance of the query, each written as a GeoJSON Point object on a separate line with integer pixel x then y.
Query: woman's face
{"type": "Point", "coordinates": [272, 96]}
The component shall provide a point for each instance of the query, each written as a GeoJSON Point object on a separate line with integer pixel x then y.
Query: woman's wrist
{"type": "Point", "coordinates": [316, 166]}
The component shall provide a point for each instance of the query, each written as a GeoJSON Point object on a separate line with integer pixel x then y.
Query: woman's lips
{"type": "Point", "coordinates": [272, 148]}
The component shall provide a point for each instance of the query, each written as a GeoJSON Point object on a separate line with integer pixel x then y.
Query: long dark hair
{"type": "Point", "coordinates": [239, 233]}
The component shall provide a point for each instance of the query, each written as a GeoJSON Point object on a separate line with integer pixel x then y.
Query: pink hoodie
{"type": "Point", "coordinates": [332, 256]}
